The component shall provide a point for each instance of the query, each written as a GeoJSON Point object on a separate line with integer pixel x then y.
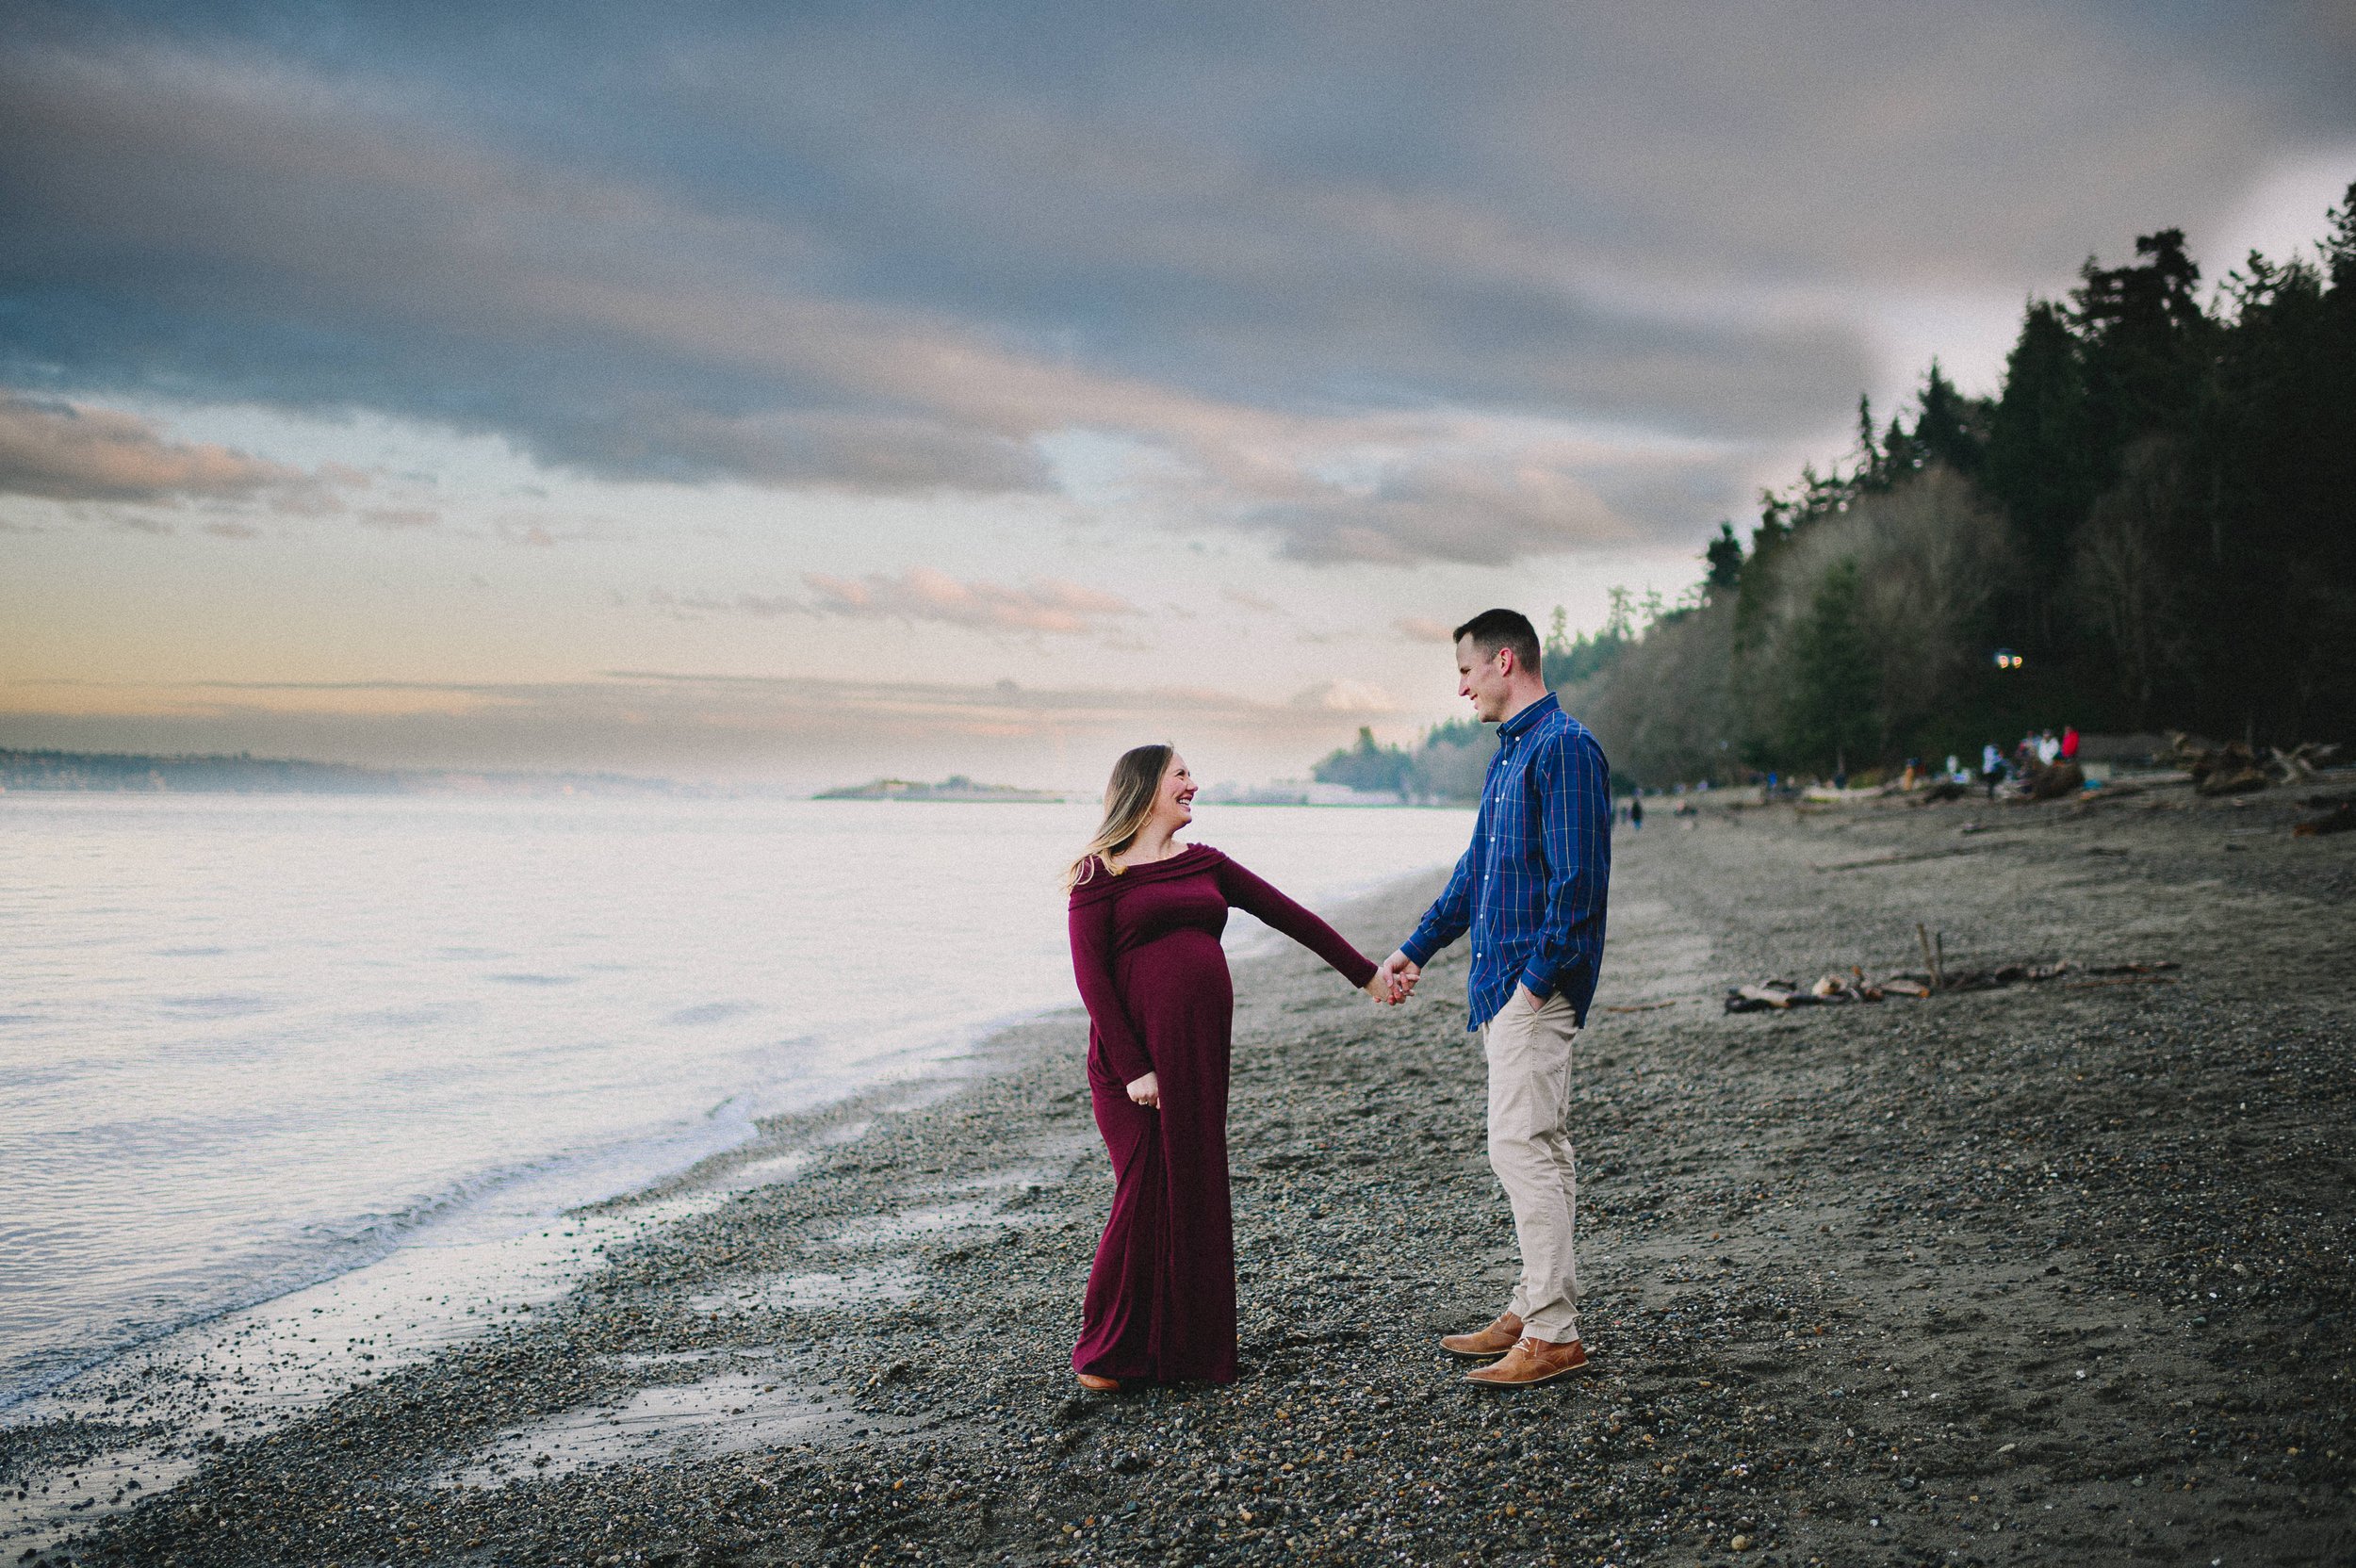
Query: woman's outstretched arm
{"type": "Point", "coordinates": [1260, 900]}
{"type": "Point", "coordinates": [1092, 966]}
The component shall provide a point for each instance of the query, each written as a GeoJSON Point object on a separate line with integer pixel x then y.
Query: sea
{"type": "Point", "coordinates": [250, 1044]}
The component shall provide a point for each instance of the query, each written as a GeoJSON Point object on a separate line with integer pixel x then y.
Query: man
{"type": "Point", "coordinates": [1531, 889]}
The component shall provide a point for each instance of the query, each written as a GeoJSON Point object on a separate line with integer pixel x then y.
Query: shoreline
{"type": "Point", "coordinates": [2034, 1274]}
{"type": "Point", "coordinates": [437, 1306]}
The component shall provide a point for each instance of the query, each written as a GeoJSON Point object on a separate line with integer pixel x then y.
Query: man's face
{"type": "Point", "coordinates": [1481, 678]}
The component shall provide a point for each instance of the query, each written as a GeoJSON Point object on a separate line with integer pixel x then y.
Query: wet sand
{"type": "Point", "coordinates": [2056, 1273]}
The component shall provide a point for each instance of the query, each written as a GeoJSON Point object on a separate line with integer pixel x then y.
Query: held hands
{"type": "Point", "coordinates": [1395, 981]}
{"type": "Point", "coordinates": [1147, 1091]}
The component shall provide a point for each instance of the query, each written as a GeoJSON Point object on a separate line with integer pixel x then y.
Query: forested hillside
{"type": "Point", "coordinates": [2154, 518]}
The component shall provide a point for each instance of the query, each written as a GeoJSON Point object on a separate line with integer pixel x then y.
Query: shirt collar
{"type": "Point", "coordinates": [1520, 724]}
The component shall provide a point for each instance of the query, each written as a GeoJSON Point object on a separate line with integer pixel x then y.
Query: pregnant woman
{"type": "Point", "coordinates": [1146, 915]}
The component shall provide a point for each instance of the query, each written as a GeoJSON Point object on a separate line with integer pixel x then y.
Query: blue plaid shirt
{"type": "Point", "coordinates": [1531, 887]}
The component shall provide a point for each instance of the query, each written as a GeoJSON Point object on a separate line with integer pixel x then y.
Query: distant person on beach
{"type": "Point", "coordinates": [1531, 890]}
{"type": "Point", "coordinates": [1146, 917]}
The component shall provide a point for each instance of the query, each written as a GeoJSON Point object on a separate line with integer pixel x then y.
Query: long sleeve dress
{"type": "Point", "coordinates": [1161, 1297]}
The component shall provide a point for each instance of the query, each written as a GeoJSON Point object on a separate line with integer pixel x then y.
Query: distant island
{"type": "Point", "coordinates": [957, 787]}
{"type": "Point", "coordinates": [131, 772]}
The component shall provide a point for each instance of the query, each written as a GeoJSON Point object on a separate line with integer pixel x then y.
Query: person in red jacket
{"type": "Point", "coordinates": [1146, 917]}
{"type": "Point", "coordinates": [2070, 742]}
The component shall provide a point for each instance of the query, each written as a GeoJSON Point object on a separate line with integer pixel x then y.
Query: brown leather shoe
{"type": "Point", "coordinates": [1495, 1340]}
{"type": "Point", "coordinates": [1095, 1385]}
{"type": "Point", "coordinates": [1532, 1361]}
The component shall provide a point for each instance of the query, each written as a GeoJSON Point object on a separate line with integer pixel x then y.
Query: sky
{"type": "Point", "coordinates": [792, 394]}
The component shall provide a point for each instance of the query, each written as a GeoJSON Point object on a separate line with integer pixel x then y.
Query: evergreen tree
{"type": "Point", "coordinates": [1830, 716]}
{"type": "Point", "coordinates": [1724, 558]}
{"type": "Point", "coordinates": [1563, 663]}
{"type": "Point", "coordinates": [1946, 425]}
{"type": "Point", "coordinates": [1368, 766]}
{"type": "Point", "coordinates": [2143, 338]}
{"type": "Point", "coordinates": [2037, 464]}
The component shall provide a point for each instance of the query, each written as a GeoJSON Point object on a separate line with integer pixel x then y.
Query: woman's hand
{"type": "Point", "coordinates": [1379, 989]}
{"type": "Point", "coordinates": [1147, 1091]}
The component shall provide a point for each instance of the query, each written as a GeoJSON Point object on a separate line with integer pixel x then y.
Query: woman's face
{"type": "Point", "coordinates": [1174, 802]}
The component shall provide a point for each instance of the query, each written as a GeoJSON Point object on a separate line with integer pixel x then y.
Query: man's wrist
{"type": "Point", "coordinates": [1413, 953]}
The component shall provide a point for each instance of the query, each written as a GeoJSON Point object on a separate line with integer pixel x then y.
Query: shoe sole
{"type": "Point", "coordinates": [1532, 1382]}
{"type": "Point", "coordinates": [1473, 1355]}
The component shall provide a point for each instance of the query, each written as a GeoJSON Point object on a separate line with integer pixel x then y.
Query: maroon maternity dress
{"type": "Point", "coordinates": [1161, 1297]}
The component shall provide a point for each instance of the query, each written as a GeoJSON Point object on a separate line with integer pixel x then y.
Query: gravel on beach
{"type": "Point", "coordinates": [2056, 1273]}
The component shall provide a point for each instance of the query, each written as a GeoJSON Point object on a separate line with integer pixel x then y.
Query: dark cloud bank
{"type": "Point", "coordinates": [1355, 275]}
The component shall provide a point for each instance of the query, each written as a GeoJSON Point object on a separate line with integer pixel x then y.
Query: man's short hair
{"type": "Point", "coordinates": [1492, 629]}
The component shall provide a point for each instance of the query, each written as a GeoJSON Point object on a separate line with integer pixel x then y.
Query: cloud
{"type": "Point", "coordinates": [923, 593]}
{"type": "Point", "coordinates": [766, 607]}
{"type": "Point", "coordinates": [1351, 278]}
{"type": "Point", "coordinates": [1346, 697]}
{"type": "Point", "coordinates": [1420, 628]}
{"type": "Point", "coordinates": [77, 453]}
{"type": "Point", "coordinates": [399, 517]}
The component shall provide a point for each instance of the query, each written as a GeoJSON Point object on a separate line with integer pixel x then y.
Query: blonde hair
{"type": "Point", "coordinates": [1128, 801]}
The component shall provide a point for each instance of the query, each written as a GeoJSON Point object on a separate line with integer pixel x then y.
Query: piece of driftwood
{"type": "Point", "coordinates": [1641, 1007]}
{"type": "Point", "coordinates": [1752, 999]}
{"type": "Point", "coordinates": [2234, 769]}
{"type": "Point", "coordinates": [1932, 958]}
{"type": "Point", "coordinates": [2299, 765]}
{"type": "Point", "coordinates": [1782, 995]}
{"type": "Point", "coordinates": [2123, 980]}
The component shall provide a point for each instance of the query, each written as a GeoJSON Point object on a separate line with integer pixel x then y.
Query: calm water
{"type": "Point", "coordinates": [247, 1042]}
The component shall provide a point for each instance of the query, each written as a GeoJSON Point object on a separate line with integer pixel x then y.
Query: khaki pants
{"type": "Point", "coordinates": [1529, 1149]}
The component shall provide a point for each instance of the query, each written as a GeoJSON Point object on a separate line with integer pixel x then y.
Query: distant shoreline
{"type": "Point", "coordinates": [241, 773]}
{"type": "Point", "coordinates": [956, 788]}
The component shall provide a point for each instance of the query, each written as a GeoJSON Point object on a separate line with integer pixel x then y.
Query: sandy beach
{"type": "Point", "coordinates": [2057, 1272]}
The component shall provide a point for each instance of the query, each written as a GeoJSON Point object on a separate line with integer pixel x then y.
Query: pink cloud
{"type": "Point", "coordinates": [923, 593]}
{"type": "Point", "coordinates": [77, 452]}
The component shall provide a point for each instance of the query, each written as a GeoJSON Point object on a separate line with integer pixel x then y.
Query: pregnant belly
{"type": "Point", "coordinates": [1178, 986]}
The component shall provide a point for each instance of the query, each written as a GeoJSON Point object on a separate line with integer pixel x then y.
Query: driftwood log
{"type": "Point", "coordinates": [2233, 769]}
{"type": "Point", "coordinates": [1782, 995]}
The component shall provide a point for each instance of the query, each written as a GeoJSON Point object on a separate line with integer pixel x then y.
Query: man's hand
{"type": "Point", "coordinates": [1398, 975]}
{"type": "Point", "coordinates": [1529, 997]}
{"type": "Point", "coordinates": [1147, 1091]}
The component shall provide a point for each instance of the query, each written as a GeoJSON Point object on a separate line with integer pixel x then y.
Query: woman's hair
{"type": "Point", "coordinates": [1128, 801]}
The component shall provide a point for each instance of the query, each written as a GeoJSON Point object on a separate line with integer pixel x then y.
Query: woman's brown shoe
{"type": "Point", "coordinates": [1495, 1340]}
{"type": "Point", "coordinates": [1095, 1385]}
